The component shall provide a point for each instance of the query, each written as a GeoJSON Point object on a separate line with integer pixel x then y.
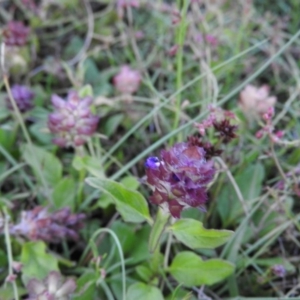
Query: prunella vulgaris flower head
{"type": "Point", "coordinates": [51, 288]}
{"type": "Point", "coordinates": [179, 178]}
{"type": "Point", "coordinates": [23, 97]}
{"type": "Point", "coordinates": [72, 122]}
{"type": "Point", "coordinates": [255, 100]}
{"type": "Point", "coordinates": [15, 34]}
{"type": "Point", "coordinates": [127, 81]}
{"type": "Point", "coordinates": [40, 224]}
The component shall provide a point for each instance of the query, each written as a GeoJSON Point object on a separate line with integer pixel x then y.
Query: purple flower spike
{"type": "Point", "coordinates": [72, 122]}
{"type": "Point", "coordinates": [23, 97]}
{"type": "Point", "coordinates": [39, 224]}
{"type": "Point", "coordinates": [179, 178]}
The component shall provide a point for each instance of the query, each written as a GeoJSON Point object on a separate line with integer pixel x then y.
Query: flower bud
{"type": "Point", "coordinates": [17, 266]}
{"type": "Point", "coordinates": [127, 81]}
{"type": "Point", "coordinates": [278, 270]}
{"type": "Point", "coordinates": [23, 97]}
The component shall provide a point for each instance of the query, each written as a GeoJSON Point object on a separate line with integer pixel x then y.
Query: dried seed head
{"type": "Point", "coordinates": [39, 224]}
{"type": "Point", "coordinates": [255, 100]}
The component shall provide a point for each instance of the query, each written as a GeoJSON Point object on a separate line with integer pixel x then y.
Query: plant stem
{"type": "Point", "coordinates": [158, 229]}
{"type": "Point", "coordinates": [277, 162]}
{"type": "Point", "coordinates": [180, 36]}
{"type": "Point", "coordinates": [168, 249]}
{"type": "Point", "coordinates": [9, 252]}
{"type": "Point", "coordinates": [21, 121]}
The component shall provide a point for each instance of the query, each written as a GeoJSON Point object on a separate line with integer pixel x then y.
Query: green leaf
{"type": "Point", "coordinates": [7, 292]}
{"type": "Point", "coordinates": [130, 204]}
{"type": "Point", "coordinates": [190, 270]}
{"type": "Point", "coordinates": [144, 272]}
{"type": "Point", "coordinates": [192, 233]}
{"type": "Point", "coordinates": [130, 182]}
{"type": "Point", "coordinates": [139, 290]}
{"type": "Point", "coordinates": [36, 262]}
{"type": "Point", "coordinates": [42, 161]}
{"type": "Point", "coordinates": [86, 285]}
{"type": "Point", "coordinates": [7, 139]}
{"type": "Point", "coordinates": [112, 123]}
{"type": "Point", "coordinates": [86, 91]}
{"type": "Point", "coordinates": [249, 181]}
{"type": "Point", "coordinates": [90, 164]}
{"type": "Point", "coordinates": [64, 193]}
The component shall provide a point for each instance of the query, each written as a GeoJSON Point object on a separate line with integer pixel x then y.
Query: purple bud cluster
{"type": "Point", "coordinates": [15, 34]}
{"type": "Point", "coordinates": [51, 288]}
{"type": "Point", "coordinates": [179, 178]}
{"type": "Point", "coordinates": [278, 270]}
{"type": "Point", "coordinates": [23, 97]}
{"type": "Point", "coordinates": [39, 224]}
{"type": "Point", "coordinates": [72, 122]}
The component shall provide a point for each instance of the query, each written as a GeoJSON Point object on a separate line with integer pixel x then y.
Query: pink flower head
{"type": "Point", "coordinates": [256, 100]}
{"type": "Point", "coordinates": [179, 178]}
{"type": "Point", "coordinates": [123, 4]}
{"type": "Point", "coordinates": [211, 40]}
{"type": "Point", "coordinates": [15, 34]}
{"type": "Point", "coordinates": [72, 122]}
{"type": "Point", "coordinates": [127, 81]}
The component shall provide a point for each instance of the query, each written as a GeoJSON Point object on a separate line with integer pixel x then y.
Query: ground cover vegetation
{"type": "Point", "coordinates": [149, 149]}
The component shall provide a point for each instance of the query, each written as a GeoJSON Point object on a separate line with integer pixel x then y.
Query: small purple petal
{"type": "Point", "coordinates": [57, 101]}
{"type": "Point", "coordinates": [152, 162]}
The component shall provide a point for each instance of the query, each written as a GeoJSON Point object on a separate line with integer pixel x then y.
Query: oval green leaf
{"type": "Point", "coordinates": [131, 205]}
{"type": "Point", "coordinates": [37, 263]}
{"type": "Point", "coordinates": [139, 290]}
{"type": "Point", "coordinates": [192, 233]}
{"type": "Point", "coordinates": [190, 270]}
